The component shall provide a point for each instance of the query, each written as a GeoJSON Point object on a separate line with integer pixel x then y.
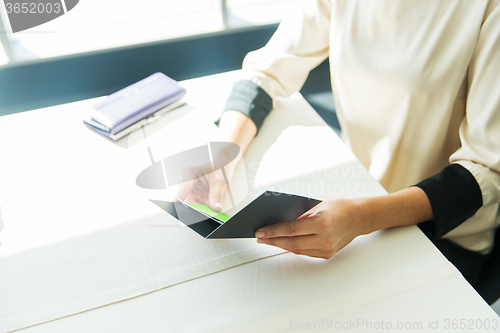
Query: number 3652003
{"type": "Point", "coordinates": [33, 8]}
{"type": "Point", "coordinates": [471, 324]}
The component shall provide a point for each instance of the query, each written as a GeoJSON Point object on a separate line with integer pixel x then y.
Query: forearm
{"type": "Point", "coordinates": [406, 207]}
{"type": "Point", "coordinates": [237, 128]}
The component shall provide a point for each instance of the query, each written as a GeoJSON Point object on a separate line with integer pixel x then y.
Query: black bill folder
{"type": "Point", "coordinates": [269, 208]}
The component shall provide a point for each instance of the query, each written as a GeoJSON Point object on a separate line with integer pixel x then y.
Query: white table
{"type": "Point", "coordinates": [62, 187]}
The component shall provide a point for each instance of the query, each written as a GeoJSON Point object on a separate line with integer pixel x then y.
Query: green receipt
{"type": "Point", "coordinates": [210, 212]}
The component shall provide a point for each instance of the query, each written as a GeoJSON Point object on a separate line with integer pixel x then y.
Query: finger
{"type": "Point", "coordinates": [217, 191]}
{"type": "Point", "coordinates": [307, 214]}
{"type": "Point", "coordinates": [293, 244]}
{"type": "Point", "coordinates": [193, 198]}
{"type": "Point", "coordinates": [310, 213]}
{"type": "Point", "coordinates": [305, 226]}
{"type": "Point", "coordinates": [188, 174]}
{"type": "Point", "coordinates": [184, 190]}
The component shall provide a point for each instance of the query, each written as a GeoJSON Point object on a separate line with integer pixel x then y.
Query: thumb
{"type": "Point", "coordinates": [217, 191]}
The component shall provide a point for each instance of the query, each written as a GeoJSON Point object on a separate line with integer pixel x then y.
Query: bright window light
{"type": "Point", "coordinates": [3, 57]}
{"type": "Point", "coordinates": [96, 24]}
{"type": "Point", "coordinates": [257, 12]}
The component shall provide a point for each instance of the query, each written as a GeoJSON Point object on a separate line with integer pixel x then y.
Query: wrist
{"type": "Point", "coordinates": [368, 210]}
{"type": "Point", "coordinates": [406, 207]}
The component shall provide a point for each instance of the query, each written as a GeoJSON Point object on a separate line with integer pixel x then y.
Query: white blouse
{"type": "Point", "coordinates": [416, 85]}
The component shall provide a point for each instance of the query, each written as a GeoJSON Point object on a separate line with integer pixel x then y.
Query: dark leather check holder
{"type": "Point", "coordinates": [269, 208]}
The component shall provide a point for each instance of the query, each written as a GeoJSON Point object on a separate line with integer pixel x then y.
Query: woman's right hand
{"type": "Point", "coordinates": [206, 187]}
{"type": "Point", "coordinates": [203, 187]}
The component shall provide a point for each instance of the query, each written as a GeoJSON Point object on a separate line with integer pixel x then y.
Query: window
{"type": "Point", "coordinates": [257, 12]}
{"type": "Point", "coordinates": [96, 24]}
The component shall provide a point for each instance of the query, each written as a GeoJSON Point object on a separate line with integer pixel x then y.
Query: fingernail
{"type": "Point", "coordinates": [261, 241]}
{"type": "Point", "coordinates": [259, 234]}
{"type": "Point", "coordinates": [218, 205]}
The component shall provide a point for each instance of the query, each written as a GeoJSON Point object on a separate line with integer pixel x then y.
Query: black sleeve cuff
{"type": "Point", "coordinates": [251, 100]}
{"type": "Point", "coordinates": [454, 195]}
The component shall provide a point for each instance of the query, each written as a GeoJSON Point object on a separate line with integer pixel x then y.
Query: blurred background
{"type": "Point", "coordinates": [102, 46]}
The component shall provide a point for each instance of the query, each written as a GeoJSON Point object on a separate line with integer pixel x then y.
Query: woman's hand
{"type": "Point", "coordinates": [204, 187]}
{"type": "Point", "coordinates": [330, 226]}
{"type": "Point", "coordinates": [321, 232]}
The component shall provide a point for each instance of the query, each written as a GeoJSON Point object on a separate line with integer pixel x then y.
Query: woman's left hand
{"type": "Point", "coordinates": [321, 232]}
{"type": "Point", "coordinates": [327, 228]}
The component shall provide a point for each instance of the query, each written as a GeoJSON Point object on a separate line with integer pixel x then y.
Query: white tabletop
{"type": "Point", "coordinates": [73, 215]}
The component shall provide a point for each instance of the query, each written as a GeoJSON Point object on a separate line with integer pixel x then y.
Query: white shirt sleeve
{"type": "Point", "coordinates": [300, 44]}
{"type": "Point", "coordinates": [480, 129]}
